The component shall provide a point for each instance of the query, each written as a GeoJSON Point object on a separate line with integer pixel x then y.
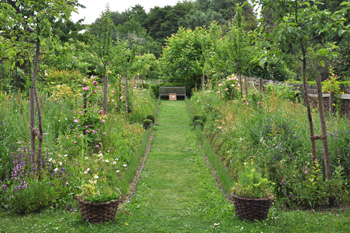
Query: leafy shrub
{"type": "Point", "coordinates": [147, 123]}
{"type": "Point", "coordinates": [150, 117]}
{"type": "Point", "coordinates": [251, 184]}
{"type": "Point", "coordinates": [282, 91]}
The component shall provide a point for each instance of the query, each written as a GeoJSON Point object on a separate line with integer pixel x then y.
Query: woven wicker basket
{"type": "Point", "coordinates": [252, 208]}
{"type": "Point", "coordinates": [98, 212]}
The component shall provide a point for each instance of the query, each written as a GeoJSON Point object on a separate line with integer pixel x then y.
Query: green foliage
{"type": "Point", "coordinates": [182, 59]}
{"type": "Point", "coordinates": [150, 117]}
{"type": "Point", "coordinates": [251, 184]}
{"type": "Point", "coordinates": [281, 91]}
{"type": "Point", "coordinates": [37, 196]}
{"type": "Point", "coordinates": [147, 124]}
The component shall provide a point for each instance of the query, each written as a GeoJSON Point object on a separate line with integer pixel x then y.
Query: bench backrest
{"type": "Point", "coordinates": [172, 90]}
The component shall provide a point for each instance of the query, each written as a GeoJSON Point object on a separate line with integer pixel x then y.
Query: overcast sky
{"type": "Point", "coordinates": [95, 7]}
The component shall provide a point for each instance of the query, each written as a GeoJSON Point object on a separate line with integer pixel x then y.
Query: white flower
{"type": "Point", "coordinates": [96, 176]}
{"type": "Point", "coordinates": [86, 157]}
{"type": "Point", "coordinates": [56, 169]}
{"type": "Point", "coordinates": [100, 155]}
{"type": "Point", "coordinates": [50, 159]}
{"type": "Point", "coordinates": [107, 161]}
{"type": "Point", "coordinates": [114, 162]}
{"type": "Point", "coordinates": [117, 171]}
{"type": "Point", "coordinates": [65, 155]}
{"type": "Point", "coordinates": [125, 165]}
{"type": "Point", "coordinates": [53, 161]}
{"type": "Point", "coordinates": [60, 163]}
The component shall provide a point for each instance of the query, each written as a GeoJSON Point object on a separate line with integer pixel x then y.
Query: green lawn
{"type": "Point", "coordinates": [176, 193]}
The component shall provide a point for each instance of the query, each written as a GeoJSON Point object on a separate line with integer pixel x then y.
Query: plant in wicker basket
{"type": "Point", "coordinates": [252, 195]}
{"type": "Point", "coordinates": [99, 200]}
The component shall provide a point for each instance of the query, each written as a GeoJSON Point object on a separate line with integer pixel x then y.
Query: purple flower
{"type": "Point", "coordinates": [86, 131]}
{"type": "Point", "coordinates": [4, 186]}
{"type": "Point", "coordinates": [85, 88]}
{"type": "Point", "coordinates": [97, 146]}
{"type": "Point", "coordinates": [94, 82]}
{"type": "Point", "coordinates": [291, 156]}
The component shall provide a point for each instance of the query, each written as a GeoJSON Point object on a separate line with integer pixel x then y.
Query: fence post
{"type": "Point", "coordinates": [260, 85]}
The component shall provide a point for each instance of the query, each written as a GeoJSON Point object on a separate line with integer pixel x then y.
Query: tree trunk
{"type": "Point", "coordinates": [39, 133]}
{"type": "Point", "coordinates": [32, 125]}
{"type": "Point", "coordinates": [203, 81]}
{"type": "Point", "coordinates": [126, 93]}
{"type": "Point", "coordinates": [313, 144]}
{"type": "Point", "coordinates": [105, 90]}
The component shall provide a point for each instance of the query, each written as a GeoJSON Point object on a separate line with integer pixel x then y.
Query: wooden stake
{"type": "Point", "coordinates": [324, 129]}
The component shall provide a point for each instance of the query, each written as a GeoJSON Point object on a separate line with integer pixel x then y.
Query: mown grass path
{"type": "Point", "coordinates": [176, 191]}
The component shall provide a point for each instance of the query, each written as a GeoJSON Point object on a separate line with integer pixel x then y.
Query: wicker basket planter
{"type": "Point", "coordinates": [251, 208]}
{"type": "Point", "coordinates": [97, 212]}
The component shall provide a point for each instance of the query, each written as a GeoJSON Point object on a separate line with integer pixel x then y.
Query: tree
{"type": "Point", "coordinates": [182, 59]}
{"type": "Point", "coordinates": [28, 24]}
{"type": "Point", "coordinates": [104, 47]}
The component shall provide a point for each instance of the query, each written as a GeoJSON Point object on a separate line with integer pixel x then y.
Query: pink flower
{"type": "Point", "coordinates": [103, 121]}
{"type": "Point", "coordinates": [259, 103]}
{"type": "Point", "coordinates": [112, 91]}
{"type": "Point", "coordinates": [79, 136]}
{"type": "Point", "coordinates": [220, 84]}
{"type": "Point", "coordinates": [76, 121]}
{"type": "Point", "coordinates": [100, 111]}
{"type": "Point", "coordinates": [80, 112]}
{"type": "Point", "coordinates": [247, 103]}
{"type": "Point", "coordinates": [95, 92]}
{"type": "Point", "coordinates": [218, 92]}
{"type": "Point", "coordinates": [93, 131]}
{"type": "Point", "coordinates": [239, 84]}
{"type": "Point", "coordinates": [226, 89]}
{"type": "Point", "coordinates": [92, 77]}
{"type": "Point", "coordinates": [97, 146]}
{"type": "Point", "coordinates": [105, 133]}
{"type": "Point", "coordinates": [121, 97]}
{"type": "Point", "coordinates": [232, 85]}
{"type": "Point", "coordinates": [75, 142]}
{"type": "Point", "coordinates": [94, 82]}
{"type": "Point", "coordinates": [98, 130]}
{"type": "Point", "coordinates": [84, 80]}
{"type": "Point", "coordinates": [74, 117]}
{"type": "Point", "coordinates": [85, 88]}
{"type": "Point", "coordinates": [86, 131]}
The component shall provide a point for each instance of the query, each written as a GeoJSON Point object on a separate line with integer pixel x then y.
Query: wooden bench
{"type": "Point", "coordinates": [172, 92]}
